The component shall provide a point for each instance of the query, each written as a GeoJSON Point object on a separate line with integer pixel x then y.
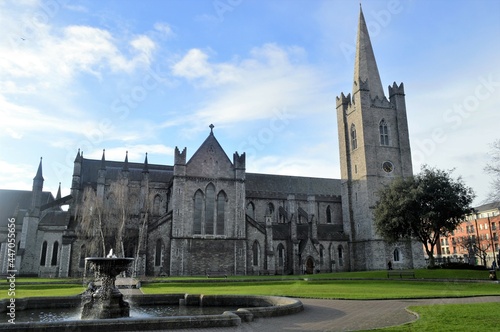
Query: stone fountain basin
{"type": "Point", "coordinates": [112, 266]}
{"type": "Point", "coordinates": [250, 307]}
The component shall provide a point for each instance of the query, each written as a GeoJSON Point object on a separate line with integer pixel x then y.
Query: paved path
{"type": "Point", "coordinates": [128, 286]}
{"type": "Point", "coordinates": [344, 315]}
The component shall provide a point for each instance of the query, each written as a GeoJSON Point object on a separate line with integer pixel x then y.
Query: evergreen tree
{"type": "Point", "coordinates": [423, 207]}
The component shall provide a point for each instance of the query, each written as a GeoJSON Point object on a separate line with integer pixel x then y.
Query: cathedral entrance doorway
{"type": "Point", "coordinates": [310, 265]}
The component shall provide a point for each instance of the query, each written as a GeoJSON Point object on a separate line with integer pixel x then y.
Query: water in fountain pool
{"type": "Point", "coordinates": [147, 311]}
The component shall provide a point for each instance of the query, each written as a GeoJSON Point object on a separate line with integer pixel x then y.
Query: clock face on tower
{"type": "Point", "coordinates": [387, 166]}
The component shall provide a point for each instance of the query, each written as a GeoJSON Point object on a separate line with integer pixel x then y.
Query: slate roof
{"type": "Point", "coordinates": [55, 218]}
{"type": "Point", "coordinates": [331, 232]}
{"type": "Point", "coordinates": [15, 203]}
{"type": "Point", "coordinates": [287, 184]}
{"type": "Point", "coordinates": [487, 207]}
{"type": "Point", "coordinates": [255, 182]}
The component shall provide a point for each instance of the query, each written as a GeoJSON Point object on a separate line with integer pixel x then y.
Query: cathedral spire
{"type": "Point", "coordinates": [77, 158]}
{"type": "Point", "coordinates": [365, 66]}
{"type": "Point", "coordinates": [125, 164]}
{"type": "Point", "coordinates": [36, 198]}
{"type": "Point", "coordinates": [39, 176]}
{"type": "Point", "coordinates": [58, 196]}
{"type": "Point", "coordinates": [103, 160]}
{"type": "Point", "coordinates": [145, 169]}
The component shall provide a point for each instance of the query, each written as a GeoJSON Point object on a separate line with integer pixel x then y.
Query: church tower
{"type": "Point", "coordinates": [374, 149]}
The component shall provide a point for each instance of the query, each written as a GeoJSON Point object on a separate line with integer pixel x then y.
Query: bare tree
{"type": "Point", "coordinates": [476, 247]}
{"type": "Point", "coordinates": [119, 207]}
{"type": "Point", "coordinates": [91, 228]}
{"type": "Point", "coordinates": [493, 168]}
{"type": "Point", "coordinates": [142, 229]}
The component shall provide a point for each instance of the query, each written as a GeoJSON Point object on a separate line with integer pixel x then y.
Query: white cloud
{"type": "Point", "coordinates": [195, 66]}
{"type": "Point", "coordinates": [164, 29]}
{"type": "Point", "coordinates": [17, 120]}
{"type": "Point", "coordinates": [40, 70]}
{"type": "Point", "coordinates": [76, 8]}
{"type": "Point", "coordinates": [42, 57]}
{"type": "Point", "coordinates": [271, 79]}
{"type": "Point", "coordinates": [317, 166]}
{"type": "Point", "coordinates": [13, 176]}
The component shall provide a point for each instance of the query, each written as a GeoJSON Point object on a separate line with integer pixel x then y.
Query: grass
{"type": "Point", "coordinates": [379, 274]}
{"type": "Point", "coordinates": [44, 280]}
{"type": "Point", "coordinates": [332, 289]}
{"type": "Point", "coordinates": [349, 285]}
{"type": "Point", "coordinates": [35, 290]}
{"type": "Point", "coordinates": [421, 274]}
{"type": "Point", "coordinates": [452, 318]}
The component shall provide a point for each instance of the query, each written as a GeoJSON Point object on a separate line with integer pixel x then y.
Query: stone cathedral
{"type": "Point", "coordinates": [206, 214]}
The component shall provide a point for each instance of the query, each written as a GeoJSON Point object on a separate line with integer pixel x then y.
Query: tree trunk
{"type": "Point", "coordinates": [430, 253]}
{"type": "Point", "coordinates": [431, 260]}
{"type": "Point", "coordinates": [142, 236]}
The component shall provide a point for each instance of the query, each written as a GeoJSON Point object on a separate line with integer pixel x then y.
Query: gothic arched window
{"type": "Point", "coordinates": [255, 253]}
{"type": "Point", "coordinates": [43, 257]}
{"type": "Point", "coordinates": [221, 209]}
{"type": "Point", "coordinates": [328, 215]}
{"type": "Point", "coordinates": [251, 210]}
{"type": "Point", "coordinates": [158, 252]}
{"type": "Point", "coordinates": [198, 208]}
{"type": "Point", "coordinates": [341, 255]}
{"type": "Point", "coordinates": [270, 209]}
{"type": "Point", "coordinates": [55, 250]}
{"type": "Point", "coordinates": [209, 209]}
{"type": "Point", "coordinates": [281, 255]}
{"type": "Point", "coordinates": [321, 254]}
{"type": "Point", "coordinates": [354, 140]}
{"type": "Point", "coordinates": [156, 205]}
{"type": "Point", "coordinates": [396, 255]}
{"type": "Point", "coordinates": [384, 133]}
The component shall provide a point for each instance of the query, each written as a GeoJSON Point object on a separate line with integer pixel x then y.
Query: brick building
{"type": "Point", "coordinates": [476, 240]}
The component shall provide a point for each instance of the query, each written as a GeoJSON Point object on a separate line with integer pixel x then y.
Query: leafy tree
{"type": "Point", "coordinates": [422, 207]}
{"type": "Point", "coordinates": [493, 168]}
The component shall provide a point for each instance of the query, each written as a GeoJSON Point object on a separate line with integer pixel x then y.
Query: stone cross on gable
{"type": "Point", "coordinates": [211, 128]}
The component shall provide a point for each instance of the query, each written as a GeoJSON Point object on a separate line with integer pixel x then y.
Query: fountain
{"type": "Point", "coordinates": [104, 305]}
{"type": "Point", "coordinates": [105, 301]}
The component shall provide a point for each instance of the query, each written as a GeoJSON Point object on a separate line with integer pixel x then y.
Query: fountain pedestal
{"type": "Point", "coordinates": [106, 301]}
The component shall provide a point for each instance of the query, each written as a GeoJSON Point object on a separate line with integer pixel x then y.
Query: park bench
{"type": "Point", "coordinates": [400, 274]}
{"type": "Point", "coordinates": [216, 274]}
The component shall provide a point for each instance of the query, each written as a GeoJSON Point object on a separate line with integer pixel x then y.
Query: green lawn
{"type": "Point", "coordinates": [332, 289]}
{"type": "Point", "coordinates": [482, 317]}
{"type": "Point", "coordinates": [350, 285]}
{"type": "Point", "coordinates": [379, 274]}
{"type": "Point", "coordinates": [35, 290]}
{"type": "Point", "coordinates": [44, 280]}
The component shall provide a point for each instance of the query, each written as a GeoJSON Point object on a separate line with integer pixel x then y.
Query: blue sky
{"type": "Point", "coordinates": [147, 76]}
